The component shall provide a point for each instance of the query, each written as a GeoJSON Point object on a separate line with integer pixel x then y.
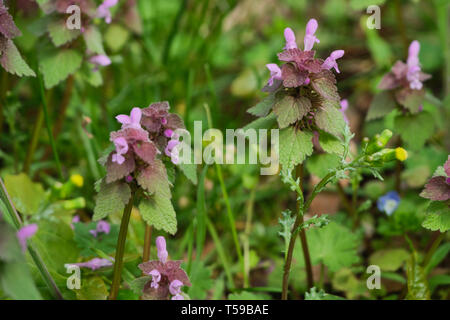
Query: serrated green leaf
{"type": "Point", "coordinates": [158, 212]}
{"type": "Point", "coordinates": [59, 34]}
{"type": "Point", "coordinates": [382, 104]}
{"type": "Point", "coordinates": [438, 216]}
{"type": "Point", "coordinates": [111, 198]}
{"type": "Point", "coordinates": [57, 66]}
{"type": "Point", "coordinates": [12, 61]}
{"type": "Point", "coordinates": [26, 195]}
{"type": "Point", "coordinates": [325, 88]}
{"type": "Point", "coordinates": [334, 245]}
{"type": "Point", "coordinates": [263, 108]}
{"type": "Point", "coordinates": [295, 146]}
{"type": "Point", "coordinates": [414, 129]}
{"type": "Point", "coordinates": [289, 109]}
{"type": "Point", "coordinates": [93, 39]}
{"type": "Point", "coordinates": [331, 120]}
{"type": "Point", "coordinates": [330, 143]}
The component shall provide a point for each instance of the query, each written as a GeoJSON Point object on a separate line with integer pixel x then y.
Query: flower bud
{"type": "Point", "coordinates": [379, 141]}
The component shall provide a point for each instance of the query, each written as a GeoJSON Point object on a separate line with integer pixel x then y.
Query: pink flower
{"type": "Point", "coordinates": [275, 79]}
{"type": "Point", "coordinates": [175, 287]}
{"type": "Point", "coordinates": [168, 133]}
{"type": "Point", "coordinates": [413, 73]}
{"type": "Point", "coordinates": [171, 150]}
{"type": "Point", "coordinates": [161, 247]}
{"type": "Point", "coordinates": [102, 227]}
{"type": "Point", "coordinates": [344, 107]}
{"type": "Point", "coordinates": [275, 73]}
{"type": "Point", "coordinates": [290, 39]}
{"type": "Point", "coordinates": [75, 219]}
{"type": "Point", "coordinates": [330, 62]}
{"type": "Point", "coordinates": [94, 264]}
{"type": "Point", "coordinates": [131, 121]}
{"type": "Point", "coordinates": [100, 60]}
{"type": "Point", "coordinates": [167, 276]}
{"type": "Point", "coordinates": [25, 233]}
{"type": "Point", "coordinates": [156, 277]}
{"type": "Point", "coordinates": [121, 148]}
{"type": "Point", "coordinates": [103, 10]}
{"type": "Point", "coordinates": [310, 38]}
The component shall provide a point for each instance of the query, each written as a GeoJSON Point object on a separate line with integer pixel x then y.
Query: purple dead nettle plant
{"type": "Point", "coordinates": [303, 98]}
{"type": "Point", "coordinates": [304, 101]}
{"type": "Point", "coordinates": [164, 278]}
{"type": "Point", "coordinates": [136, 171]}
{"type": "Point", "coordinates": [401, 87]}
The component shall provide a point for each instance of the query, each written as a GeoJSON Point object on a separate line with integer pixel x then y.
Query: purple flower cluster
{"type": "Point", "coordinates": [102, 227]}
{"type": "Point", "coordinates": [406, 80]}
{"type": "Point", "coordinates": [145, 138]}
{"type": "Point", "coordinates": [167, 276]}
{"type": "Point", "coordinates": [300, 66]}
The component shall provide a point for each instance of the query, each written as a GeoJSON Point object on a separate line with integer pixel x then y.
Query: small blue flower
{"type": "Point", "coordinates": [389, 202]}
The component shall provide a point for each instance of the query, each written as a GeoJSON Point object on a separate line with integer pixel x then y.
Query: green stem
{"type": "Point", "coordinates": [303, 207]}
{"type": "Point", "coordinates": [49, 127]}
{"type": "Point", "coordinates": [120, 249]}
{"type": "Point", "coordinates": [220, 252]}
{"type": "Point", "coordinates": [15, 217]}
{"type": "Point", "coordinates": [147, 243]}
{"type": "Point", "coordinates": [248, 225]}
{"type": "Point", "coordinates": [437, 241]}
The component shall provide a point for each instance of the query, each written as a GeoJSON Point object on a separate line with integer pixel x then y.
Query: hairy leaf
{"type": "Point", "coordinates": [57, 66]}
{"type": "Point", "coordinates": [295, 146]}
{"type": "Point", "coordinates": [158, 212]}
{"type": "Point", "coordinates": [331, 120]}
{"type": "Point", "coordinates": [59, 34]}
{"type": "Point", "coordinates": [290, 109]}
{"type": "Point", "coordinates": [112, 198]}
{"type": "Point", "coordinates": [12, 61]}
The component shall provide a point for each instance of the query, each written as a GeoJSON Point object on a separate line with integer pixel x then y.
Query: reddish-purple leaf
{"type": "Point", "coordinates": [115, 171]}
{"type": "Point", "coordinates": [146, 151]}
{"type": "Point", "coordinates": [7, 26]}
{"type": "Point", "coordinates": [436, 189]}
